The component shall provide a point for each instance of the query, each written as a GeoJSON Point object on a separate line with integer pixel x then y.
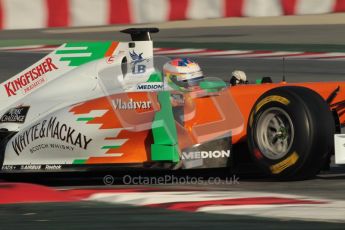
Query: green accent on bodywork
{"type": "Point", "coordinates": [30, 42]}
{"type": "Point", "coordinates": [155, 77]}
{"type": "Point", "coordinates": [164, 153]}
{"type": "Point", "coordinates": [79, 161]}
{"type": "Point", "coordinates": [212, 90]}
{"type": "Point", "coordinates": [93, 51]}
{"type": "Point", "coordinates": [258, 81]}
{"type": "Point", "coordinates": [111, 147]}
{"type": "Point", "coordinates": [212, 86]}
{"type": "Point", "coordinates": [85, 119]}
{"type": "Point", "coordinates": [165, 147]}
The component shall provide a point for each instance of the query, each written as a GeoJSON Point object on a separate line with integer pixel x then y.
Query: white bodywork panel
{"type": "Point", "coordinates": [339, 145]}
{"type": "Point", "coordinates": [65, 86]}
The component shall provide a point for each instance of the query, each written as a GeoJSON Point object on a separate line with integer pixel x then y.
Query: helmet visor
{"type": "Point", "coordinates": [187, 83]}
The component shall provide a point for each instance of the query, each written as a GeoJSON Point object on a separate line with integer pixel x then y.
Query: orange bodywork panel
{"type": "Point", "coordinates": [134, 125]}
{"type": "Point", "coordinates": [205, 118]}
{"type": "Point", "coordinates": [246, 96]}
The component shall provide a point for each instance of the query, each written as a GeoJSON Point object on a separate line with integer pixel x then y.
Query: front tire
{"type": "Point", "coordinates": [290, 132]}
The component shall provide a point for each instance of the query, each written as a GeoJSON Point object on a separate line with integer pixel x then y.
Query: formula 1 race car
{"type": "Point", "coordinates": [88, 106]}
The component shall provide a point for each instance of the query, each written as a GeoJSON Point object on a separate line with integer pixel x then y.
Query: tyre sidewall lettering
{"type": "Point", "coordinates": [293, 157]}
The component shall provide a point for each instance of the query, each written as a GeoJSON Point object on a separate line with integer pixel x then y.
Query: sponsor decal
{"type": "Point", "coordinates": [31, 79]}
{"type": "Point", "coordinates": [150, 86]}
{"type": "Point", "coordinates": [17, 115]}
{"type": "Point", "coordinates": [205, 154]}
{"type": "Point", "coordinates": [276, 98]}
{"type": "Point", "coordinates": [31, 167]}
{"type": "Point", "coordinates": [136, 58]}
{"type": "Point", "coordinates": [137, 68]}
{"type": "Point", "coordinates": [281, 166]}
{"type": "Point", "coordinates": [110, 60]}
{"type": "Point", "coordinates": [51, 129]}
{"type": "Point", "coordinates": [52, 167]}
{"type": "Point", "coordinates": [8, 167]}
{"type": "Point", "coordinates": [119, 104]}
{"type": "Point", "coordinates": [51, 146]}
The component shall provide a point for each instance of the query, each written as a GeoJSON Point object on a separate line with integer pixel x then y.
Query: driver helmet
{"type": "Point", "coordinates": [238, 77]}
{"type": "Point", "coordinates": [182, 74]}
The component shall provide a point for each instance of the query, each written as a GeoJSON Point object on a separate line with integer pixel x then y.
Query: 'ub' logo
{"type": "Point", "coordinates": [137, 59]}
{"type": "Point", "coordinates": [137, 69]}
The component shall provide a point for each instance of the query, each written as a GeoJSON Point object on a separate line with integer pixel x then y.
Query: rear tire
{"type": "Point", "coordinates": [290, 133]}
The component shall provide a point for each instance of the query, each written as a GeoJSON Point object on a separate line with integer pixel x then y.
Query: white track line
{"type": "Point", "coordinates": [220, 53]}
{"type": "Point", "coordinates": [179, 51]}
{"type": "Point", "coordinates": [329, 211]}
{"type": "Point", "coordinates": [322, 55]}
{"type": "Point", "coordinates": [340, 56]}
{"type": "Point", "coordinates": [268, 55]}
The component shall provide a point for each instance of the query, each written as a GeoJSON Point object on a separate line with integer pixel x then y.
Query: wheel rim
{"type": "Point", "coordinates": [274, 133]}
